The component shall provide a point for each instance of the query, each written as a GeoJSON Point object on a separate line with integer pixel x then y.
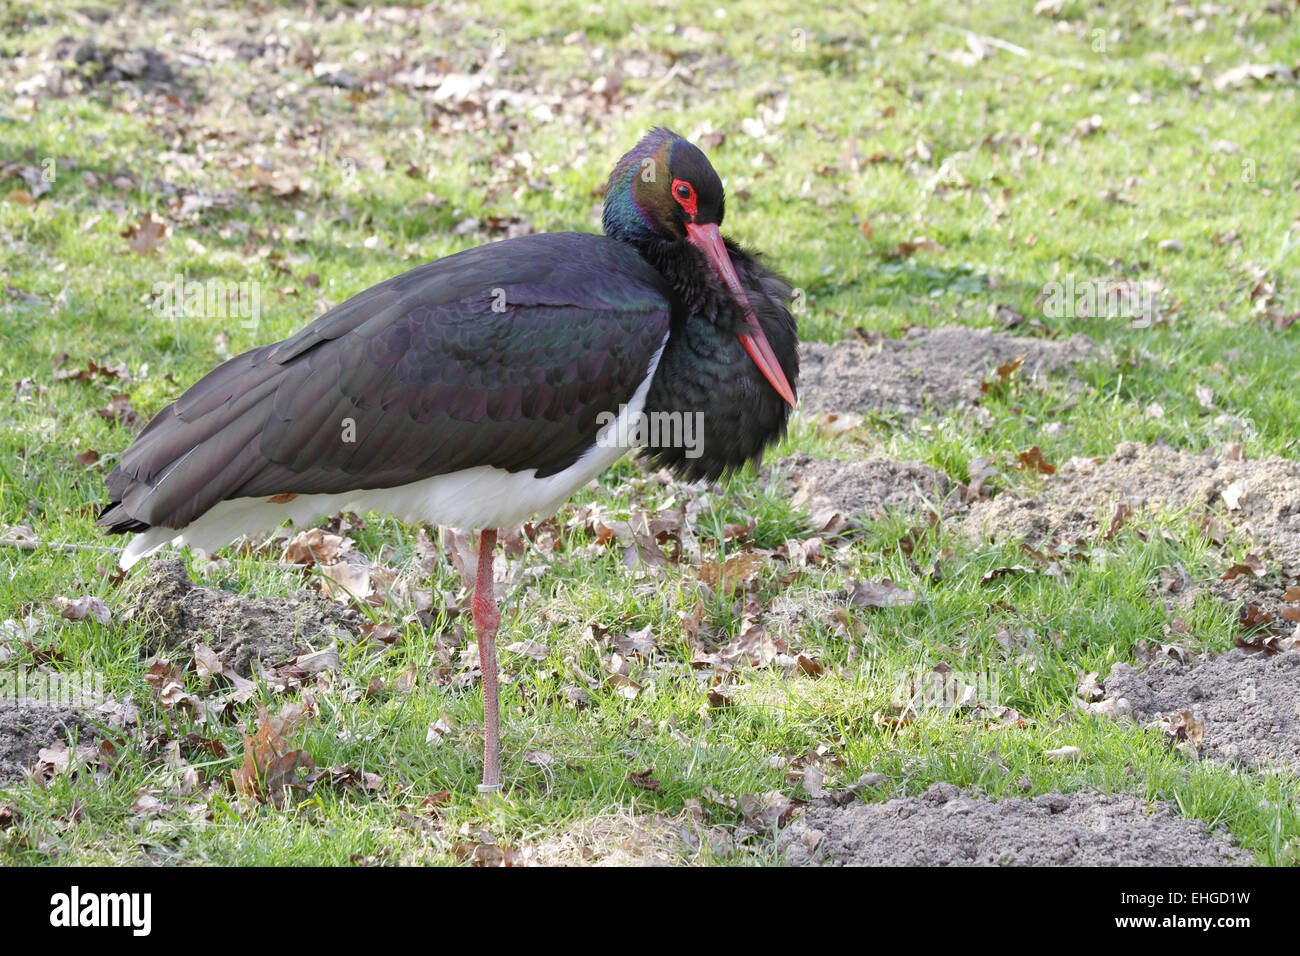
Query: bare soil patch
{"type": "Point", "coordinates": [1248, 704]}
{"type": "Point", "coordinates": [948, 826]}
{"type": "Point", "coordinates": [26, 727]}
{"type": "Point", "coordinates": [178, 613]}
{"type": "Point", "coordinates": [1259, 500]}
{"type": "Point", "coordinates": [939, 369]}
{"type": "Point", "coordinates": [869, 487]}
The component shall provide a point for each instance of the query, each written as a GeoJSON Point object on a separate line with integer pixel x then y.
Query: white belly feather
{"type": "Point", "coordinates": [482, 497]}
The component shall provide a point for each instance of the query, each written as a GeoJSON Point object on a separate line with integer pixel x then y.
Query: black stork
{"type": "Point", "coordinates": [483, 389]}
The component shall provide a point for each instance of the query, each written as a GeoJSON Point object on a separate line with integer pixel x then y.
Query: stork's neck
{"type": "Point", "coordinates": [693, 281]}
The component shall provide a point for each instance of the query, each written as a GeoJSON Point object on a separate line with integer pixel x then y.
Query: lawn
{"type": "Point", "coordinates": [686, 663]}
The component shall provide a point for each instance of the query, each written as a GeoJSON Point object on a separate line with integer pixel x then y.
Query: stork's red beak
{"type": "Point", "coordinates": [708, 240]}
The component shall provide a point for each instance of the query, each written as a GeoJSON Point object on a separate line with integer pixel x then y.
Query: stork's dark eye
{"type": "Point", "coordinates": [684, 193]}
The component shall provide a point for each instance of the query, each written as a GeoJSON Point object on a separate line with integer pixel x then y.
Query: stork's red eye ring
{"type": "Point", "coordinates": [684, 193]}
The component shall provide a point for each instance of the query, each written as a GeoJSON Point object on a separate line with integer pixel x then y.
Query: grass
{"type": "Point", "coordinates": [875, 115]}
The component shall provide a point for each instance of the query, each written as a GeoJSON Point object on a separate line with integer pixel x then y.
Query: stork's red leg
{"type": "Point", "coordinates": [486, 620]}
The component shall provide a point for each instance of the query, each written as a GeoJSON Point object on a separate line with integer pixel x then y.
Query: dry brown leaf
{"type": "Point", "coordinates": [148, 235]}
{"type": "Point", "coordinates": [270, 765]}
{"type": "Point", "coordinates": [1010, 367]}
{"type": "Point", "coordinates": [909, 247]}
{"type": "Point", "coordinates": [486, 854]}
{"type": "Point", "coordinates": [808, 666]}
{"type": "Point", "coordinates": [1117, 521]}
{"type": "Point", "coordinates": [1033, 460]}
{"type": "Point", "coordinates": [1250, 564]}
{"type": "Point", "coordinates": [1088, 688]}
{"type": "Point", "coordinates": [317, 546]}
{"type": "Point", "coordinates": [86, 606]}
{"type": "Point", "coordinates": [120, 411]}
{"type": "Point", "coordinates": [644, 779]}
{"type": "Point", "coordinates": [529, 648]}
{"type": "Point", "coordinates": [346, 580]}
{"type": "Point", "coordinates": [738, 571]}
{"type": "Point", "coordinates": [1185, 732]}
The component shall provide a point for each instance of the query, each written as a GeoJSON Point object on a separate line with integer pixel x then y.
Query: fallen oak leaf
{"type": "Point", "coordinates": [485, 854]}
{"type": "Point", "coordinates": [909, 247]}
{"type": "Point", "coordinates": [990, 576]}
{"type": "Point", "coordinates": [529, 648]}
{"type": "Point", "coordinates": [639, 644]}
{"type": "Point", "coordinates": [1033, 460]}
{"type": "Point", "coordinates": [146, 236]}
{"type": "Point", "coordinates": [91, 370]}
{"type": "Point", "coordinates": [86, 606]}
{"type": "Point", "coordinates": [317, 546]}
{"type": "Point", "coordinates": [644, 779]}
{"type": "Point", "coordinates": [270, 766]}
{"type": "Point", "coordinates": [439, 729]}
{"type": "Point", "coordinates": [769, 810]}
{"type": "Point", "coordinates": [1117, 521]}
{"type": "Point", "coordinates": [813, 781]}
{"type": "Point", "coordinates": [1088, 688]}
{"type": "Point", "coordinates": [738, 571]}
{"type": "Point", "coordinates": [1004, 372]}
{"type": "Point", "coordinates": [834, 424]}
{"type": "Point", "coordinates": [1258, 643]}
{"type": "Point", "coordinates": [120, 411]}
{"type": "Point", "coordinates": [1250, 564]}
{"type": "Point", "coordinates": [1255, 618]}
{"type": "Point", "coordinates": [978, 472]}
{"type": "Point", "coordinates": [718, 700]}
{"type": "Point", "coordinates": [539, 758]}
{"type": "Point", "coordinates": [808, 666]}
{"type": "Point", "coordinates": [341, 778]}
{"type": "Point", "coordinates": [901, 713]}
{"type": "Point", "coordinates": [1185, 732]}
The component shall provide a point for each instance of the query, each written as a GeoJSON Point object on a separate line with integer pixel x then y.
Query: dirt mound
{"type": "Point", "coordinates": [178, 613]}
{"type": "Point", "coordinates": [1249, 704]}
{"type": "Point", "coordinates": [868, 487]}
{"type": "Point", "coordinates": [1258, 499]}
{"type": "Point", "coordinates": [27, 726]}
{"type": "Point", "coordinates": [947, 826]}
{"type": "Point", "coordinates": [936, 368]}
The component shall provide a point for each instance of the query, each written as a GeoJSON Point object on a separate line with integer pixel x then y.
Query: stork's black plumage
{"type": "Point", "coordinates": [477, 390]}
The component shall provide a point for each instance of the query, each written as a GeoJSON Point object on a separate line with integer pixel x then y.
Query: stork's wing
{"type": "Point", "coordinates": [503, 355]}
